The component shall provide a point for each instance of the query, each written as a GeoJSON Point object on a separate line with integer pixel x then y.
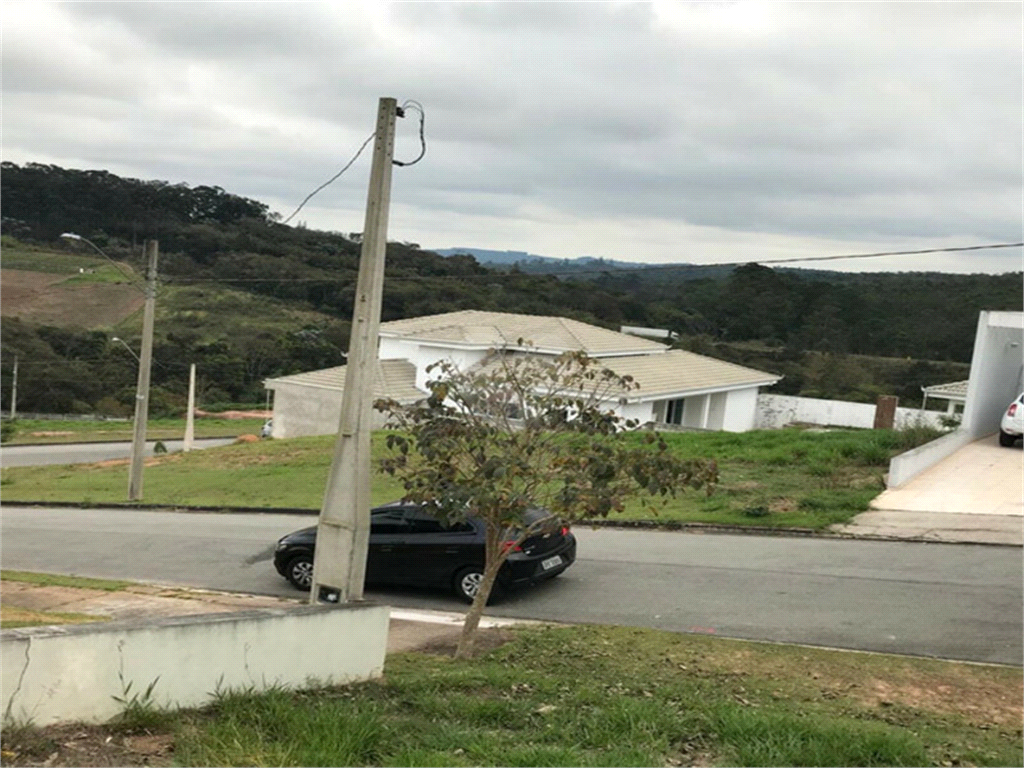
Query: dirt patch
{"type": "Point", "coordinates": [486, 640]}
{"type": "Point", "coordinates": [50, 434]}
{"type": "Point", "coordinates": [45, 298]}
{"type": "Point", "coordinates": [85, 745]}
{"type": "Point", "coordinates": [234, 414]}
{"type": "Point", "coordinates": [978, 704]}
{"type": "Point", "coordinates": [983, 696]}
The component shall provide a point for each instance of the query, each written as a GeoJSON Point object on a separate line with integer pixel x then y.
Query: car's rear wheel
{"type": "Point", "coordinates": [300, 572]}
{"type": "Point", "coordinates": [467, 583]}
{"type": "Point", "coordinates": [1006, 439]}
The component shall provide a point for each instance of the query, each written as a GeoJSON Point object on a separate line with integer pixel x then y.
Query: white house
{"type": "Point", "coordinates": [675, 387]}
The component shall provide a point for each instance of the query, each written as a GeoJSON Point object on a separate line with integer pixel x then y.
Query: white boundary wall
{"type": "Point", "coordinates": [69, 673]}
{"type": "Point", "coordinates": [776, 411]}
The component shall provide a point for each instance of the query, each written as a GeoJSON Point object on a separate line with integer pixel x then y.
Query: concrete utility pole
{"type": "Point", "coordinates": [14, 390]}
{"type": "Point", "coordinates": [343, 532]}
{"type": "Point", "coordinates": [142, 388]}
{"type": "Point", "coordinates": [190, 416]}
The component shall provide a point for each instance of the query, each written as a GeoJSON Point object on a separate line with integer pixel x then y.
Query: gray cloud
{"type": "Point", "coordinates": [553, 127]}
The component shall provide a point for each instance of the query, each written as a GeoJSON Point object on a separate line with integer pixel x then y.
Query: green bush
{"type": "Point", "coordinates": [8, 429]}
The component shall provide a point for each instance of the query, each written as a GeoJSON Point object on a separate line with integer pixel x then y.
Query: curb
{"type": "Point", "coordinates": [648, 525]}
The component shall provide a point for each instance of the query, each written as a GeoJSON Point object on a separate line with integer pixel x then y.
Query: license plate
{"type": "Point", "coordinates": [551, 562]}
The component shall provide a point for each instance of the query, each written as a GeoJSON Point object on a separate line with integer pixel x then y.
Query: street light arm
{"type": "Point", "coordinates": [73, 236]}
{"type": "Point", "coordinates": [125, 343]}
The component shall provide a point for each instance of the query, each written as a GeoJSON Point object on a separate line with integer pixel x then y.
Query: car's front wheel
{"type": "Point", "coordinates": [1006, 439]}
{"type": "Point", "coordinates": [300, 572]}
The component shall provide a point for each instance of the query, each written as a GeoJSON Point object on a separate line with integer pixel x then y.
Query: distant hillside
{"type": "Point", "coordinates": [246, 298]}
{"type": "Point", "coordinates": [532, 262]}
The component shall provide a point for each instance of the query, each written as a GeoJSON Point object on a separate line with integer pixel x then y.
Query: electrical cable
{"type": "Point", "coordinates": [333, 178]}
{"type": "Point", "coordinates": [414, 105]}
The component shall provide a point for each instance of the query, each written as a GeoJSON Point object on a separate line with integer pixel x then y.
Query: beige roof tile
{"type": "Point", "coordinates": [394, 378]}
{"type": "Point", "coordinates": [501, 329]}
{"type": "Point", "coordinates": [677, 373]}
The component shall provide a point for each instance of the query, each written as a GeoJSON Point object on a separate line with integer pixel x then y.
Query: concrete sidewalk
{"type": "Point", "coordinates": [409, 629]}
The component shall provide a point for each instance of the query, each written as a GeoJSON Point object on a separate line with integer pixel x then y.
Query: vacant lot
{"type": "Point", "coordinates": [585, 696]}
{"type": "Point", "coordinates": [782, 478]}
{"type": "Point", "coordinates": [63, 300]}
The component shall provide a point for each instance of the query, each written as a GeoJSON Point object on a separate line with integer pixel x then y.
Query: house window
{"type": "Point", "coordinates": [674, 411]}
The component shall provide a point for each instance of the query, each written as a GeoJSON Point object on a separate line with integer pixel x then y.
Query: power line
{"type": "Point", "coordinates": [416, 106]}
{"type": "Point", "coordinates": [333, 178]}
{"type": "Point", "coordinates": [408, 104]}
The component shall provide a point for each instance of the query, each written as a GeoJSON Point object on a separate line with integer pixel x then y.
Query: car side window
{"type": "Point", "coordinates": [423, 523]}
{"type": "Point", "coordinates": [389, 522]}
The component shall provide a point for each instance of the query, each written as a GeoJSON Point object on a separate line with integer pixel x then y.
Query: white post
{"type": "Point", "coordinates": [14, 391]}
{"type": "Point", "coordinates": [343, 532]}
{"type": "Point", "coordinates": [190, 415]}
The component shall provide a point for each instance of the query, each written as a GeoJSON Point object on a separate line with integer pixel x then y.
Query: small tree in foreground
{"type": "Point", "coordinates": [522, 432]}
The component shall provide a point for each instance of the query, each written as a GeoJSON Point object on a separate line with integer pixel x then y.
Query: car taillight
{"type": "Point", "coordinates": [507, 545]}
{"type": "Point", "coordinates": [1012, 409]}
{"type": "Point", "coordinates": [565, 530]}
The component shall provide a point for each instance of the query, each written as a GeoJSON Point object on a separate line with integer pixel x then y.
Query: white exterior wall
{"type": "Point", "coordinates": [730, 411]}
{"type": "Point", "coordinates": [776, 411]}
{"type": "Point", "coordinates": [71, 673]}
{"type": "Point", "coordinates": [996, 371]}
{"type": "Point", "coordinates": [422, 356]}
{"type": "Point", "coordinates": [642, 412]}
{"type": "Point", "coordinates": [740, 410]}
{"type": "Point", "coordinates": [301, 411]}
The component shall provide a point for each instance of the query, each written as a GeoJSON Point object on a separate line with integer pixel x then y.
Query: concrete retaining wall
{"type": "Point", "coordinates": [776, 411]}
{"type": "Point", "coordinates": [907, 465]}
{"type": "Point", "coordinates": [72, 673]}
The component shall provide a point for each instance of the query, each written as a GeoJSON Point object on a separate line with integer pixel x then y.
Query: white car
{"type": "Point", "coordinates": [1012, 426]}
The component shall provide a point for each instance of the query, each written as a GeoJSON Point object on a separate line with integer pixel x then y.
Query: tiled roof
{"type": "Point", "coordinates": [679, 372]}
{"type": "Point", "coordinates": [394, 378]}
{"type": "Point", "coordinates": [953, 390]}
{"type": "Point", "coordinates": [501, 330]}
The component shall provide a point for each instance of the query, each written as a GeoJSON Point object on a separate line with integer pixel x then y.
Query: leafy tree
{"type": "Point", "coordinates": [523, 432]}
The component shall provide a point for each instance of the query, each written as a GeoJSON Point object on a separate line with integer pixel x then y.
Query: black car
{"type": "Point", "coordinates": [409, 546]}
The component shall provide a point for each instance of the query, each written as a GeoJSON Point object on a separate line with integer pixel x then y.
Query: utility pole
{"type": "Point", "coordinates": [190, 417]}
{"type": "Point", "coordinates": [343, 532]}
{"type": "Point", "coordinates": [142, 387]}
{"type": "Point", "coordinates": [14, 390]}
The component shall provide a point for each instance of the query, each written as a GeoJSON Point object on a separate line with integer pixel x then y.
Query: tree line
{"type": "Point", "coordinates": [216, 246]}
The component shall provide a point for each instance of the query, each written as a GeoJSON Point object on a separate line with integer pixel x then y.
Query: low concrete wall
{"type": "Point", "coordinates": [776, 411]}
{"type": "Point", "coordinates": [912, 463]}
{"type": "Point", "coordinates": [71, 673]}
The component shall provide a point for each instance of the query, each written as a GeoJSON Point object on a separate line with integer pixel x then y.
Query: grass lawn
{"type": "Point", "coordinates": [594, 696]}
{"type": "Point", "coordinates": [781, 478]}
{"type": "Point", "coordinates": [34, 431]}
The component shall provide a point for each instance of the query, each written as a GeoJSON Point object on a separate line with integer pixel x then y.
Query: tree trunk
{"type": "Point", "coordinates": [467, 640]}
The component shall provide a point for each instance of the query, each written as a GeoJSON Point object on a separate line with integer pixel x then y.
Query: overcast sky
{"type": "Point", "coordinates": [655, 132]}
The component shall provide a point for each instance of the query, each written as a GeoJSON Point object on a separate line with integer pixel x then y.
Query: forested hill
{"type": "Point", "coordinates": [212, 239]}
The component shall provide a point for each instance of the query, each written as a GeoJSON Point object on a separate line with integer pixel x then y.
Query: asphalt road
{"type": "Point", "coordinates": [947, 600]}
{"type": "Point", "coordinates": [77, 453]}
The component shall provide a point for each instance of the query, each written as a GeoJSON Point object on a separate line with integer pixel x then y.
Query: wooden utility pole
{"type": "Point", "coordinates": [190, 416]}
{"type": "Point", "coordinates": [343, 532]}
{"type": "Point", "coordinates": [142, 387]}
{"type": "Point", "coordinates": [14, 390]}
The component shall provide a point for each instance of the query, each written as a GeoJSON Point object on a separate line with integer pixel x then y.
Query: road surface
{"type": "Point", "coordinates": [947, 600]}
{"type": "Point", "coordinates": [77, 453]}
